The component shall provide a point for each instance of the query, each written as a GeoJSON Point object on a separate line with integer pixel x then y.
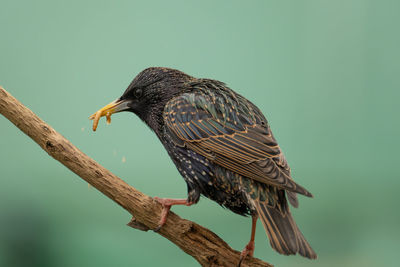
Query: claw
{"type": "Point", "coordinates": [247, 251]}
{"type": "Point", "coordinates": [157, 228]}
{"type": "Point", "coordinates": [167, 203]}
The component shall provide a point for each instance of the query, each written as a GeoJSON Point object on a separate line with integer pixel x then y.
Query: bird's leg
{"type": "Point", "coordinates": [167, 203]}
{"type": "Point", "coordinates": [249, 248]}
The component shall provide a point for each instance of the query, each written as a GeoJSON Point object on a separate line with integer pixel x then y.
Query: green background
{"type": "Point", "coordinates": [325, 73]}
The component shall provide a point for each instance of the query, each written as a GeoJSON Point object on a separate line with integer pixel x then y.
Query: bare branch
{"type": "Point", "coordinates": [202, 244]}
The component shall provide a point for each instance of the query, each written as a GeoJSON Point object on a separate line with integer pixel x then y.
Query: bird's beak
{"type": "Point", "coordinates": [114, 107]}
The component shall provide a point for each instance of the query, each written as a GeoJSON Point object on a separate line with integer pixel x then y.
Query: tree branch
{"type": "Point", "coordinates": [202, 244]}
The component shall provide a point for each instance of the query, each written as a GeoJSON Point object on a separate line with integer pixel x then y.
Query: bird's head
{"type": "Point", "coordinates": [147, 95]}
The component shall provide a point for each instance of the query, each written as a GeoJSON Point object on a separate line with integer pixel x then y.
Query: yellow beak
{"type": "Point", "coordinates": [108, 110]}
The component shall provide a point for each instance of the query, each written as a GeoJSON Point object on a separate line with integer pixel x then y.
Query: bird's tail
{"type": "Point", "coordinates": [284, 235]}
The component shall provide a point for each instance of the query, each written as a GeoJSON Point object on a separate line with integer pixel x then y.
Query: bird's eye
{"type": "Point", "coordinates": [138, 93]}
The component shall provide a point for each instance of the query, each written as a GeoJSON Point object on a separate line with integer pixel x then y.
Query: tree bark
{"type": "Point", "coordinates": [202, 244]}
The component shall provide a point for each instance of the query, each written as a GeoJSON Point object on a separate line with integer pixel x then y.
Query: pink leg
{"type": "Point", "coordinates": [167, 203]}
{"type": "Point", "coordinates": [249, 248]}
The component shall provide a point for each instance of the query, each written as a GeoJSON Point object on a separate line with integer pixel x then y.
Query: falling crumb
{"type": "Point", "coordinates": [89, 186]}
{"type": "Point", "coordinates": [123, 159]}
{"type": "Point", "coordinates": [83, 129]}
{"type": "Point", "coordinates": [114, 152]}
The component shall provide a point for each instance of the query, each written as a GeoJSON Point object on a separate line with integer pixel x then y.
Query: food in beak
{"type": "Point", "coordinates": [105, 111]}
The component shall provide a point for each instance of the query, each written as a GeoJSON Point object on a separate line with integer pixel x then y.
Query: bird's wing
{"type": "Point", "coordinates": [231, 132]}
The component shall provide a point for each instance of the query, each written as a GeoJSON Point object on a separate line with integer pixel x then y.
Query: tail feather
{"type": "Point", "coordinates": [292, 197]}
{"type": "Point", "coordinates": [284, 235]}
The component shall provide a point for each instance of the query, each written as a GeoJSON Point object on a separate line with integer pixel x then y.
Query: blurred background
{"type": "Point", "coordinates": [325, 73]}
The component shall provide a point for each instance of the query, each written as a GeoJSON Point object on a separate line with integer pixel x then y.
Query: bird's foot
{"type": "Point", "coordinates": [247, 251]}
{"type": "Point", "coordinates": [167, 203]}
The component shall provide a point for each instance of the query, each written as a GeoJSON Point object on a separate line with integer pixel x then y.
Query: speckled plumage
{"type": "Point", "coordinates": [224, 149]}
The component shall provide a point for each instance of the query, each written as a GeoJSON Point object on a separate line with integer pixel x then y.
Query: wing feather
{"type": "Point", "coordinates": [231, 132]}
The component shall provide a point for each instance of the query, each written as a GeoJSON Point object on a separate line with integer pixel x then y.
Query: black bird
{"type": "Point", "coordinates": [224, 149]}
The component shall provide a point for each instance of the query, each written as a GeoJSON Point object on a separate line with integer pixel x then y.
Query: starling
{"type": "Point", "coordinates": [224, 149]}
